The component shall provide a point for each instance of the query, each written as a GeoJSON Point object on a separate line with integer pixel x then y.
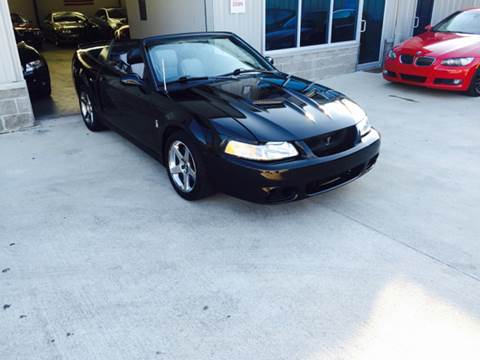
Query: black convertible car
{"type": "Point", "coordinates": [221, 117]}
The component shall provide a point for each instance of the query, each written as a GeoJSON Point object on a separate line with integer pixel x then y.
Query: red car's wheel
{"type": "Point", "coordinates": [475, 85]}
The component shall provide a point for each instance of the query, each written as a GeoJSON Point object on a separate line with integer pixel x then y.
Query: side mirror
{"type": "Point", "coordinates": [270, 60]}
{"type": "Point", "coordinates": [132, 80]}
{"type": "Point", "coordinates": [428, 28]}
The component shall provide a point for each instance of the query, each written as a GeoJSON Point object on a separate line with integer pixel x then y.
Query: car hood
{"type": "Point", "coordinates": [270, 108]}
{"type": "Point", "coordinates": [442, 44]}
{"type": "Point", "coordinates": [27, 53]}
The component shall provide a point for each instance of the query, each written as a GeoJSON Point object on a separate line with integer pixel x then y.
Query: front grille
{"type": "Point", "coordinates": [334, 142]}
{"type": "Point", "coordinates": [406, 59]}
{"type": "Point", "coordinates": [319, 186]}
{"type": "Point", "coordinates": [425, 61]}
{"type": "Point", "coordinates": [414, 78]}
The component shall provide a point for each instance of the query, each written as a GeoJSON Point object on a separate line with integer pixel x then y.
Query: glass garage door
{"type": "Point", "coordinates": [371, 28]}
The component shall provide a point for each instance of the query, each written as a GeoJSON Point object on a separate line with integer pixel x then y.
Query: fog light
{"type": "Point", "coordinates": [457, 82]}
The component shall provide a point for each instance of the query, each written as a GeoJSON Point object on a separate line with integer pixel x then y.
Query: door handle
{"type": "Point", "coordinates": [416, 22]}
{"type": "Point", "coordinates": [364, 26]}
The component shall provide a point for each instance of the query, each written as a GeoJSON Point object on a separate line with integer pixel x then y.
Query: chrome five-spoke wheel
{"type": "Point", "coordinates": [86, 108]}
{"type": "Point", "coordinates": [181, 166]}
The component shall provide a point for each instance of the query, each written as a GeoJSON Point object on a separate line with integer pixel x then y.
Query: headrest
{"type": "Point", "coordinates": [134, 56]}
{"type": "Point", "coordinates": [192, 67]}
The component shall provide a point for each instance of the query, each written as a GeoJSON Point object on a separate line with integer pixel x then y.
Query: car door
{"type": "Point", "coordinates": [127, 107]}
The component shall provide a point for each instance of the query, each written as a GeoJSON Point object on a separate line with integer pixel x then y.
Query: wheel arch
{"type": "Point", "coordinates": [193, 128]}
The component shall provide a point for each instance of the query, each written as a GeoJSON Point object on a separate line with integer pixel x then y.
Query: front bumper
{"type": "Point", "coordinates": [70, 38]}
{"type": "Point", "coordinates": [436, 76]}
{"type": "Point", "coordinates": [271, 183]}
{"type": "Point", "coordinates": [38, 82]}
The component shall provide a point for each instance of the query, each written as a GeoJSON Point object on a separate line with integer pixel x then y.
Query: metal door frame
{"type": "Point", "coordinates": [379, 62]}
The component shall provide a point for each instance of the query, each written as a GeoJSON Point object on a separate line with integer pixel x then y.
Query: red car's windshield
{"type": "Point", "coordinates": [467, 22]}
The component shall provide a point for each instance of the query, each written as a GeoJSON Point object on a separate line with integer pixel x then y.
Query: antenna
{"type": "Point", "coordinates": [164, 77]}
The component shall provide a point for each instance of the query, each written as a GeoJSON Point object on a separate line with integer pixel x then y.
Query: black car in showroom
{"type": "Point", "coordinates": [110, 19]}
{"type": "Point", "coordinates": [221, 117]}
{"type": "Point", "coordinates": [25, 31]}
{"type": "Point", "coordinates": [69, 27]}
{"type": "Point", "coordinates": [35, 71]}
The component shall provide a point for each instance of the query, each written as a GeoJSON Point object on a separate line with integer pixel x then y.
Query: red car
{"type": "Point", "coordinates": [445, 57]}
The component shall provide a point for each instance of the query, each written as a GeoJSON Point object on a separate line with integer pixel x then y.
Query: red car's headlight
{"type": "Point", "coordinates": [458, 61]}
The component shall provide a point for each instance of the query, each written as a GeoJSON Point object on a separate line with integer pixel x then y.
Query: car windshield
{"type": "Point", "coordinates": [465, 22]}
{"type": "Point", "coordinates": [203, 57]}
{"type": "Point", "coordinates": [17, 19]}
{"type": "Point", "coordinates": [68, 18]}
{"type": "Point", "coordinates": [117, 13]}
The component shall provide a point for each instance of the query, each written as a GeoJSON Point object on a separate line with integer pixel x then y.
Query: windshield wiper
{"type": "Point", "coordinates": [187, 78]}
{"type": "Point", "coordinates": [246, 71]}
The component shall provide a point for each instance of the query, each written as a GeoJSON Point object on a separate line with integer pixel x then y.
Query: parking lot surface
{"type": "Point", "coordinates": [63, 101]}
{"type": "Point", "coordinates": [101, 259]}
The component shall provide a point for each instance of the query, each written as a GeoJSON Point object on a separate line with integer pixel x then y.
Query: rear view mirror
{"type": "Point", "coordinates": [132, 80]}
{"type": "Point", "coordinates": [270, 60]}
{"type": "Point", "coordinates": [428, 28]}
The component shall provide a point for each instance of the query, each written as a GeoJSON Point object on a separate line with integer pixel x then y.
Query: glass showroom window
{"type": "Point", "coordinates": [321, 22]}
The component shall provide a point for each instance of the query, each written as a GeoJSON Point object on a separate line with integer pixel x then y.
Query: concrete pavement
{"type": "Point", "coordinates": [105, 261]}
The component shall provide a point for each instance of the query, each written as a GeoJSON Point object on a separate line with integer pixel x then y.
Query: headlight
{"type": "Point", "coordinates": [268, 152]}
{"type": "Point", "coordinates": [33, 65]}
{"type": "Point", "coordinates": [364, 127]}
{"type": "Point", "coordinates": [458, 61]}
{"type": "Point", "coordinates": [392, 54]}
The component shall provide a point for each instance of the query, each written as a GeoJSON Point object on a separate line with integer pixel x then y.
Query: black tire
{"type": "Point", "coordinates": [88, 111]}
{"type": "Point", "coordinates": [201, 187]}
{"type": "Point", "coordinates": [474, 89]}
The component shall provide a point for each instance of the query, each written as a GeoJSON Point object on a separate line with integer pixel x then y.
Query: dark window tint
{"type": "Point", "coordinates": [315, 20]}
{"type": "Point", "coordinates": [281, 24]}
{"type": "Point", "coordinates": [344, 20]}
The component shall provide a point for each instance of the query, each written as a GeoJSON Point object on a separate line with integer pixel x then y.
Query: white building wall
{"type": "Point", "coordinates": [15, 107]}
{"type": "Point", "coordinates": [443, 8]}
{"type": "Point", "coordinates": [249, 26]}
{"type": "Point", "coordinates": [166, 17]}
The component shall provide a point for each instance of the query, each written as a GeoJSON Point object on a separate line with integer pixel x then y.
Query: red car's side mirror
{"type": "Point", "coordinates": [428, 28]}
